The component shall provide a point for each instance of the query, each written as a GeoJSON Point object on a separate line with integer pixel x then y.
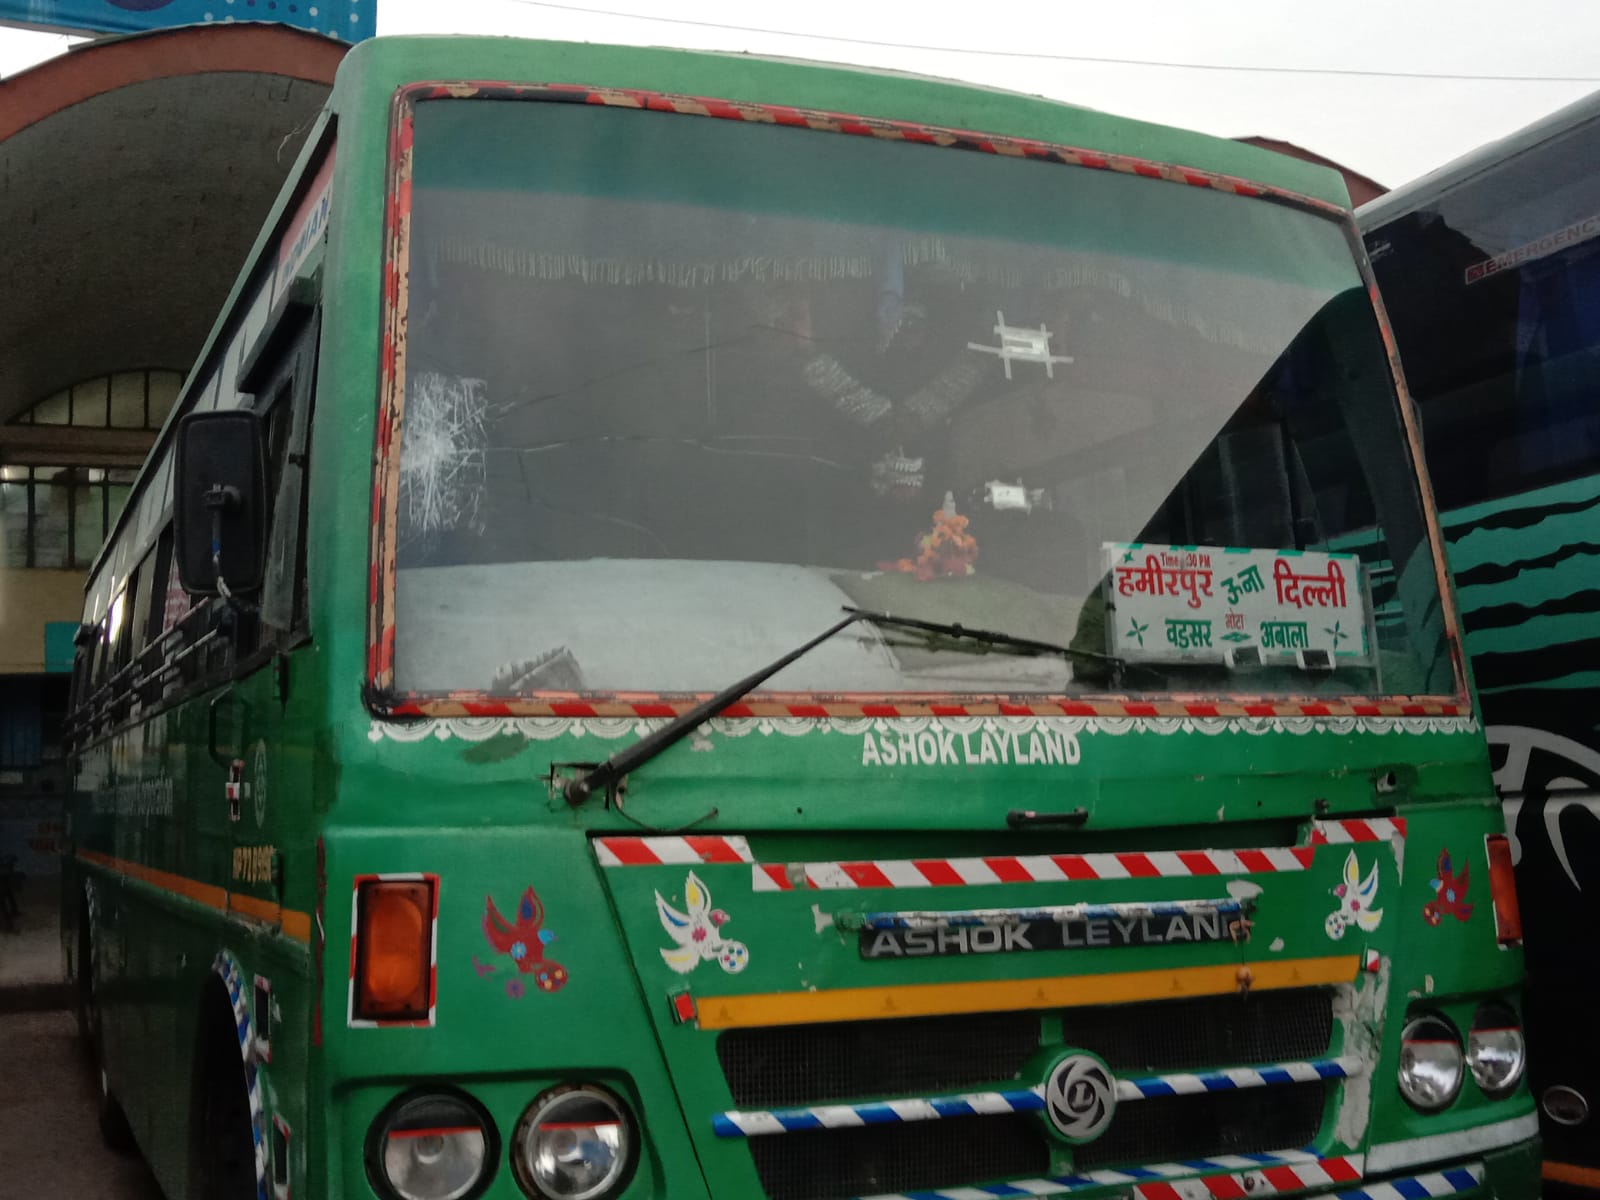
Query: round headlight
{"type": "Point", "coordinates": [1431, 1062]}
{"type": "Point", "coordinates": [432, 1146]}
{"type": "Point", "coordinates": [573, 1143]}
{"type": "Point", "coordinates": [1495, 1050]}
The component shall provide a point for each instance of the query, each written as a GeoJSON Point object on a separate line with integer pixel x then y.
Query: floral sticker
{"type": "Point", "coordinates": [1355, 900]}
{"type": "Point", "coordinates": [695, 931]}
{"type": "Point", "coordinates": [523, 941]}
{"type": "Point", "coordinates": [1449, 893]}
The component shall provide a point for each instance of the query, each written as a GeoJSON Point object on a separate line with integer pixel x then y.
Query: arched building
{"type": "Point", "coordinates": [137, 171]}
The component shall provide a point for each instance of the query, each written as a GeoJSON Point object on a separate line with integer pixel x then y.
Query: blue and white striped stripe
{"type": "Point", "coordinates": [1234, 1078]}
{"type": "Point", "coordinates": [883, 1112]}
{"type": "Point", "coordinates": [1416, 1187]}
{"type": "Point", "coordinates": [758, 1122]}
{"type": "Point", "coordinates": [227, 967]}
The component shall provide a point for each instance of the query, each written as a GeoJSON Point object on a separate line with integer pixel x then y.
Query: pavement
{"type": "Point", "coordinates": [30, 954]}
{"type": "Point", "coordinates": [50, 1147]}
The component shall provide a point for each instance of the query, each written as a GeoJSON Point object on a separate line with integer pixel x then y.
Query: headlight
{"type": "Point", "coordinates": [1495, 1050]}
{"type": "Point", "coordinates": [432, 1146]}
{"type": "Point", "coordinates": [1430, 1062]}
{"type": "Point", "coordinates": [573, 1143]}
{"type": "Point", "coordinates": [1564, 1105]}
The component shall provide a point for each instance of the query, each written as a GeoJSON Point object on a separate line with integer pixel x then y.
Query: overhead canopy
{"type": "Point", "coordinates": [136, 173]}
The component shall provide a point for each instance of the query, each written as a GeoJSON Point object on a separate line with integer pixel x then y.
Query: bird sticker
{"type": "Point", "coordinates": [523, 941]}
{"type": "Point", "coordinates": [1449, 892]}
{"type": "Point", "coordinates": [1356, 896]}
{"type": "Point", "coordinates": [696, 932]}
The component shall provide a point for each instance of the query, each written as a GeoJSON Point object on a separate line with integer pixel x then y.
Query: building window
{"type": "Point", "coordinates": [126, 400]}
{"type": "Point", "coordinates": [57, 517]}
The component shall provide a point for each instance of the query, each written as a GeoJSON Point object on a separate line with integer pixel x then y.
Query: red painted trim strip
{"type": "Point", "coordinates": [462, 704]}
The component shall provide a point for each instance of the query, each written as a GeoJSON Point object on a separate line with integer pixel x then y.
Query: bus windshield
{"type": "Point", "coordinates": [677, 390]}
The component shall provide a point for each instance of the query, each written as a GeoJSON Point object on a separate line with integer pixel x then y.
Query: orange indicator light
{"type": "Point", "coordinates": [394, 950]}
{"type": "Point", "coordinates": [1503, 890]}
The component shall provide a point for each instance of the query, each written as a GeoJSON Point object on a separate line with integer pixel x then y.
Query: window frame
{"type": "Point", "coordinates": [385, 700]}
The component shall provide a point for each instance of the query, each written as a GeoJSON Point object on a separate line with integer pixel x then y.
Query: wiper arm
{"type": "Point", "coordinates": [635, 756]}
{"type": "Point", "coordinates": [987, 637]}
{"type": "Point", "coordinates": [631, 758]}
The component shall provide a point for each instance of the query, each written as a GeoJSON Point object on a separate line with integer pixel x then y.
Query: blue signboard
{"type": "Point", "coordinates": [348, 20]}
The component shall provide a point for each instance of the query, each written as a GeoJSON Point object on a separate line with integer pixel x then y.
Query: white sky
{"type": "Point", "coordinates": [1392, 129]}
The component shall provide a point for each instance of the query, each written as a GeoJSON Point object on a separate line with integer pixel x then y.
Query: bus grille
{"type": "Point", "coordinates": [1174, 1128]}
{"type": "Point", "coordinates": [1208, 1031]}
{"type": "Point", "coordinates": [816, 1064]}
{"type": "Point", "coordinates": [871, 1161]}
{"type": "Point", "coordinates": [795, 1066]}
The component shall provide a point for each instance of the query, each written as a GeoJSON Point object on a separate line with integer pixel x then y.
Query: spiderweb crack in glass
{"type": "Point", "coordinates": [442, 456]}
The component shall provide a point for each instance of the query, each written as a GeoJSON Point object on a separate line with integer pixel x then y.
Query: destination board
{"type": "Point", "coordinates": [1234, 606]}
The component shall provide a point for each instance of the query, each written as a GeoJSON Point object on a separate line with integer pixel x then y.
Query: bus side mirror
{"type": "Point", "coordinates": [219, 513]}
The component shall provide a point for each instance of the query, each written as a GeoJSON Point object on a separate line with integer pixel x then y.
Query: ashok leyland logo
{"type": "Point", "coordinates": [1080, 1097]}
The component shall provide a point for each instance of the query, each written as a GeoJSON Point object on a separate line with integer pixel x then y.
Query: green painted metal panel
{"type": "Point", "coordinates": [470, 801]}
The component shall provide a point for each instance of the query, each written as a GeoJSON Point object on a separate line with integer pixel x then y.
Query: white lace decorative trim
{"type": "Point", "coordinates": [544, 729]}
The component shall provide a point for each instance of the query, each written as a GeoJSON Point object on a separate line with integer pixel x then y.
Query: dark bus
{"type": "Point", "coordinates": [1490, 270]}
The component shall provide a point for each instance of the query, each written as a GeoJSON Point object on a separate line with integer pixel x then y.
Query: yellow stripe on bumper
{"type": "Point", "coordinates": [944, 999]}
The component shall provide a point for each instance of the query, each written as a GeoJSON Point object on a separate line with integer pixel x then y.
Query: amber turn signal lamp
{"type": "Point", "coordinates": [394, 950]}
{"type": "Point", "coordinates": [1503, 890]}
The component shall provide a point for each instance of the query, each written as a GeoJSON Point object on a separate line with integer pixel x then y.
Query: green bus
{"type": "Point", "coordinates": [1490, 269]}
{"type": "Point", "coordinates": [958, 760]}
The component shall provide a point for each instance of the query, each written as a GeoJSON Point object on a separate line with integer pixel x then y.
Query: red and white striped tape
{"type": "Point", "coordinates": [1014, 868]}
{"type": "Point", "coordinates": [1369, 829]}
{"type": "Point", "coordinates": [1223, 1177]}
{"type": "Point", "coordinates": [1272, 1180]}
{"type": "Point", "coordinates": [470, 704]}
{"type": "Point", "coordinates": [663, 851]}
{"type": "Point", "coordinates": [1030, 868]}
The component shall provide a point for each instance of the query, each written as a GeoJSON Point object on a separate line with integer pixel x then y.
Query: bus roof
{"type": "Point", "coordinates": [1423, 191]}
{"type": "Point", "coordinates": [864, 91]}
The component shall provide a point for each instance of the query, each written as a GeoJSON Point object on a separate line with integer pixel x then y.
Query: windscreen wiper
{"type": "Point", "coordinates": [607, 774]}
{"type": "Point", "coordinates": [987, 637]}
{"type": "Point", "coordinates": [635, 756]}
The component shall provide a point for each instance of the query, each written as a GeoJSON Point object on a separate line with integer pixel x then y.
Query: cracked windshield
{"type": "Point", "coordinates": [679, 390]}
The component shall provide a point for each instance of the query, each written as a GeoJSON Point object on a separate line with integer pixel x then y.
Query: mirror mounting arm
{"type": "Point", "coordinates": [219, 499]}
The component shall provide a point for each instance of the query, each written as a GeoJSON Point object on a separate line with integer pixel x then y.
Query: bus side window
{"type": "Point", "coordinates": [159, 565]}
{"type": "Point", "coordinates": [102, 650]}
{"type": "Point", "coordinates": [139, 615]}
{"type": "Point", "coordinates": [122, 649]}
{"type": "Point", "coordinates": [289, 397]}
{"type": "Point", "coordinates": [80, 669]}
{"type": "Point", "coordinates": [83, 675]}
{"type": "Point", "coordinates": [143, 652]}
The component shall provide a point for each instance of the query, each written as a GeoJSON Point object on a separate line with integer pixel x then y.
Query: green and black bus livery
{"type": "Point", "coordinates": [714, 627]}
{"type": "Point", "coordinates": [1490, 270]}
